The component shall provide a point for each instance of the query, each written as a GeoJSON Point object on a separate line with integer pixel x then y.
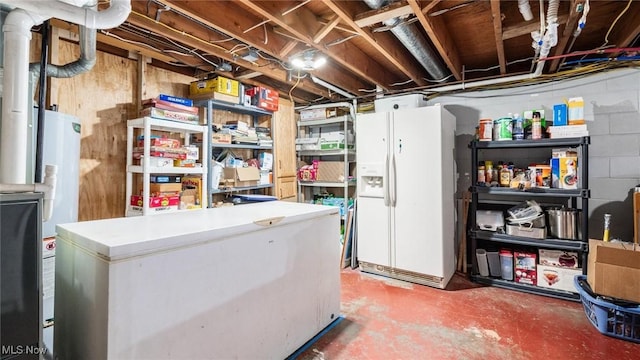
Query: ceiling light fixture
{"type": "Point", "coordinates": [308, 61]}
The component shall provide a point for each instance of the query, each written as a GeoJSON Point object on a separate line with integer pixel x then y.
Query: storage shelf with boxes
{"type": "Point", "coordinates": [164, 171]}
{"type": "Point", "coordinates": [325, 147]}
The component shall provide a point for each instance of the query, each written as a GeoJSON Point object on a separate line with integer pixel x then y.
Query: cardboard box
{"type": "Point", "coordinates": [331, 171]}
{"type": "Point", "coordinates": [319, 114]}
{"type": "Point", "coordinates": [165, 187]}
{"type": "Point", "coordinates": [244, 176]}
{"type": "Point", "coordinates": [215, 96]}
{"type": "Point", "coordinates": [220, 138]}
{"type": "Point", "coordinates": [558, 258]}
{"type": "Point", "coordinates": [220, 84]}
{"type": "Point", "coordinates": [264, 98]}
{"type": "Point", "coordinates": [559, 114]}
{"type": "Point", "coordinates": [614, 269]}
{"type": "Point", "coordinates": [575, 111]}
{"type": "Point", "coordinates": [557, 278]}
{"type": "Point", "coordinates": [525, 267]}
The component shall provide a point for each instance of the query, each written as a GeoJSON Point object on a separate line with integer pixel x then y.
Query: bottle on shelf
{"type": "Point", "coordinates": [536, 126]}
{"type": "Point", "coordinates": [518, 127]}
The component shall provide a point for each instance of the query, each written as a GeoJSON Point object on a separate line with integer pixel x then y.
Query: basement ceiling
{"type": "Point", "coordinates": [374, 46]}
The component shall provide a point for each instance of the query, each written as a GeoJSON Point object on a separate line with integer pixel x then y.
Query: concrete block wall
{"type": "Point", "coordinates": [612, 103]}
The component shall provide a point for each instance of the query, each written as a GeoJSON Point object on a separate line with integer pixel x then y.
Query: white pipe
{"type": "Point", "coordinates": [525, 10]}
{"type": "Point", "coordinates": [464, 86]}
{"type": "Point", "coordinates": [48, 187]}
{"type": "Point", "coordinates": [17, 33]}
{"type": "Point", "coordinates": [109, 18]}
{"type": "Point", "coordinates": [15, 117]}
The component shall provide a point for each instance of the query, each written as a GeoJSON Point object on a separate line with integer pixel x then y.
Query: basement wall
{"type": "Point", "coordinates": [613, 119]}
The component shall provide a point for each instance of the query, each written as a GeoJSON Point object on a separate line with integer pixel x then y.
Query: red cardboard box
{"type": "Point", "coordinates": [525, 268]}
{"type": "Point", "coordinates": [264, 98]}
{"type": "Point", "coordinates": [156, 201]}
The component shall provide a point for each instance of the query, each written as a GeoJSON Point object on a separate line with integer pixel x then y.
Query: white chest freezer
{"type": "Point", "coordinates": [245, 282]}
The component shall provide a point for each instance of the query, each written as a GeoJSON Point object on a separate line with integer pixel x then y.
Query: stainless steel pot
{"type": "Point", "coordinates": [565, 223]}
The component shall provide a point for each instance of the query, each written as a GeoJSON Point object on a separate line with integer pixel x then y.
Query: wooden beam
{"type": "Point", "coordinates": [441, 39]}
{"type": "Point", "coordinates": [326, 29]}
{"type": "Point", "coordinates": [382, 43]}
{"type": "Point", "coordinates": [235, 21]}
{"type": "Point", "coordinates": [70, 31]}
{"type": "Point", "coordinates": [526, 27]}
{"type": "Point", "coordinates": [195, 42]}
{"type": "Point", "coordinates": [286, 50]}
{"type": "Point", "coordinates": [391, 11]}
{"type": "Point", "coordinates": [245, 75]}
{"type": "Point", "coordinates": [497, 30]}
{"type": "Point", "coordinates": [430, 6]}
{"type": "Point", "coordinates": [569, 28]}
{"type": "Point", "coordinates": [304, 25]}
{"type": "Point", "coordinates": [141, 83]}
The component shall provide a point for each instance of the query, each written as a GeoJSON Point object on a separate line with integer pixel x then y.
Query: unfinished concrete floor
{"type": "Point", "coordinates": [390, 319]}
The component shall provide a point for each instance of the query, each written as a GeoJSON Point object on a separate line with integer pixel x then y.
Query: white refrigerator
{"type": "Point", "coordinates": [406, 186]}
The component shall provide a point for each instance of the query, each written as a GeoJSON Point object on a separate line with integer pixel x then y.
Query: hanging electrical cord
{"type": "Point", "coordinates": [606, 37]}
{"type": "Point", "coordinates": [438, 80]}
{"type": "Point", "coordinates": [293, 87]}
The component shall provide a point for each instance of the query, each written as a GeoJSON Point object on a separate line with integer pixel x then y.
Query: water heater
{"type": "Point", "coordinates": [61, 147]}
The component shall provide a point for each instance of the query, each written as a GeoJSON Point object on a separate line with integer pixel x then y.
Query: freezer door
{"type": "Point", "coordinates": [419, 160]}
{"type": "Point", "coordinates": [373, 231]}
{"type": "Point", "coordinates": [373, 198]}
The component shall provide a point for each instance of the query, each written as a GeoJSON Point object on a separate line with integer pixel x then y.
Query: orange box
{"type": "Point", "coordinates": [156, 201]}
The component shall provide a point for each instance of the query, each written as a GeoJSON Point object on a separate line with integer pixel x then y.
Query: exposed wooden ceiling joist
{"type": "Point", "coordinates": [526, 27]}
{"type": "Point", "coordinates": [303, 25]}
{"type": "Point", "coordinates": [569, 28]}
{"type": "Point", "coordinates": [324, 31]}
{"type": "Point", "coordinates": [235, 24]}
{"type": "Point", "coordinates": [385, 45]}
{"type": "Point", "coordinates": [390, 11]}
{"type": "Point", "coordinates": [195, 42]}
{"type": "Point", "coordinates": [497, 30]}
{"type": "Point", "coordinates": [440, 38]}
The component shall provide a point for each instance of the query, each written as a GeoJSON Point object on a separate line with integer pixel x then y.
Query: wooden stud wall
{"type": "Point", "coordinates": [104, 99]}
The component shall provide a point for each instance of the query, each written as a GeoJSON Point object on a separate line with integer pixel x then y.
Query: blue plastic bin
{"type": "Point", "coordinates": [610, 319]}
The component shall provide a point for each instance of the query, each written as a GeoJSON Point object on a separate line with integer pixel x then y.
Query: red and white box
{"type": "Point", "coordinates": [525, 268]}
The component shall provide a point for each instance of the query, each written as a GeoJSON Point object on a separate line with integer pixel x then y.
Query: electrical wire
{"type": "Point", "coordinates": [293, 87]}
{"type": "Point", "coordinates": [340, 41]}
{"type": "Point", "coordinates": [401, 83]}
{"type": "Point", "coordinates": [606, 37]}
{"type": "Point", "coordinates": [438, 80]}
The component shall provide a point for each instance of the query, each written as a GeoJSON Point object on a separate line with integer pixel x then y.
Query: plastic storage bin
{"type": "Point", "coordinates": [483, 265]}
{"type": "Point", "coordinates": [610, 319]}
{"type": "Point", "coordinates": [506, 264]}
{"type": "Point", "coordinates": [494, 263]}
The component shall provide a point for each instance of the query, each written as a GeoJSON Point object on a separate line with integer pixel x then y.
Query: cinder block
{"type": "Point", "coordinates": [599, 125]}
{"type": "Point", "coordinates": [615, 145]}
{"type": "Point", "coordinates": [610, 189]}
{"type": "Point", "coordinates": [624, 167]}
{"type": "Point", "coordinates": [625, 123]}
{"type": "Point", "coordinates": [599, 167]}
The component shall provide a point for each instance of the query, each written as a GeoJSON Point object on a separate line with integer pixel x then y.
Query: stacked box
{"type": "Point", "coordinates": [220, 84]}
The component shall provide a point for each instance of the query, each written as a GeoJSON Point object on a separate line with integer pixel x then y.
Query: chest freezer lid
{"type": "Point", "coordinates": [121, 238]}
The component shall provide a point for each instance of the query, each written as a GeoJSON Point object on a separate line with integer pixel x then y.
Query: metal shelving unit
{"type": "Point", "coordinates": [256, 113]}
{"type": "Point", "coordinates": [487, 195]}
{"type": "Point", "coordinates": [346, 155]}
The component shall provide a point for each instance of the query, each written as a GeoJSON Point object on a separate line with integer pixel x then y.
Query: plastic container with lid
{"type": "Point", "coordinates": [506, 264]}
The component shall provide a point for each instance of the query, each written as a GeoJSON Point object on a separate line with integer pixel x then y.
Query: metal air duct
{"type": "Point", "coordinates": [411, 37]}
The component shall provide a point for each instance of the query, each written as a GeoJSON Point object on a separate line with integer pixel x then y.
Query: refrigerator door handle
{"type": "Point", "coordinates": [393, 191]}
{"type": "Point", "coordinates": [385, 181]}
